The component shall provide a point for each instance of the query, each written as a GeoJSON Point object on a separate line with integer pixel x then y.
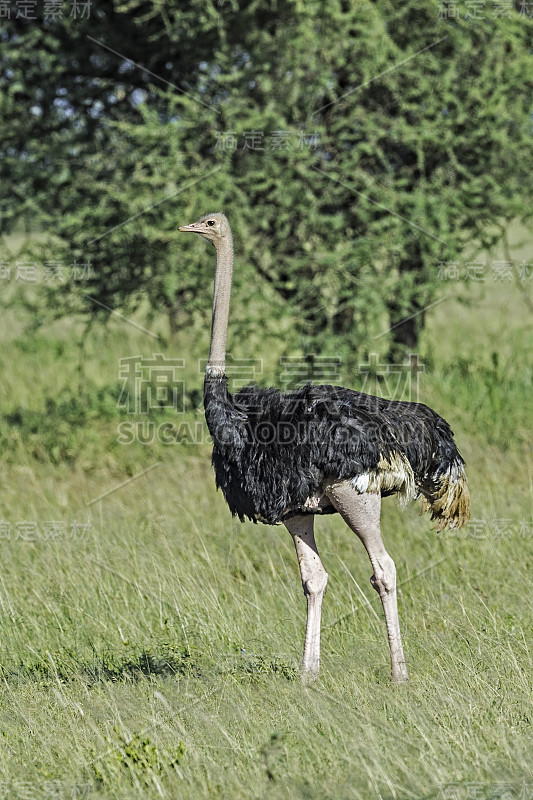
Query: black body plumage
{"type": "Point", "coordinates": [273, 451]}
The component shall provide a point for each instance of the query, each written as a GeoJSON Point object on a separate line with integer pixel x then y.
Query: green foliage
{"type": "Point", "coordinates": [365, 172]}
{"type": "Point", "coordinates": [63, 429]}
{"type": "Point", "coordinates": [73, 425]}
{"type": "Point", "coordinates": [496, 396]}
{"type": "Point", "coordinates": [138, 755]}
{"type": "Point", "coordinates": [131, 662]}
{"type": "Point", "coordinates": [252, 669]}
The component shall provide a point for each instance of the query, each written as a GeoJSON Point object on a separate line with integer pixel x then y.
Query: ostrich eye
{"type": "Point", "coordinates": [210, 222]}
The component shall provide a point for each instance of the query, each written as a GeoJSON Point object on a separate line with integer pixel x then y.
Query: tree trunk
{"type": "Point", "coordinates": [406, 319]}
{"type": "Point", "coordinates": [173, 309]}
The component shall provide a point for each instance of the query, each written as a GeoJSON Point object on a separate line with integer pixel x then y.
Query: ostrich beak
{"type": "Point", "coordinates": [192, 228]}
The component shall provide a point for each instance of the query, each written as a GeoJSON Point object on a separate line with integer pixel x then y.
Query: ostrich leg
{"type": "Point", "coordinates": [314, 581]}
{"type": "Point", "coordinates": [362, 512]}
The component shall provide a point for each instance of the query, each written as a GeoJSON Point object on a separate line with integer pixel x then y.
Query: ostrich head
{"type": "Point", "coordinates": [213, 227]}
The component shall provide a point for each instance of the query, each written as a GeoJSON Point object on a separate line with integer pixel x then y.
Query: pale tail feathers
{"type": "Point", "coordinates": [393, 474]}
{"type": "Point", "coordinates": [450, 505]}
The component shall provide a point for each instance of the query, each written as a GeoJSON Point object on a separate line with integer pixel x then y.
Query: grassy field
{"type": "Point", "coordinates": [150, 644]}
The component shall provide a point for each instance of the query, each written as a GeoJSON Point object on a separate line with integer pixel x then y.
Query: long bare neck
{"type": "Point", "coordinates": [216, 364]}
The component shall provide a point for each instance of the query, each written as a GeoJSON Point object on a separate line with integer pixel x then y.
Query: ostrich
{"type": "Point", "coordinates": [285, 457]}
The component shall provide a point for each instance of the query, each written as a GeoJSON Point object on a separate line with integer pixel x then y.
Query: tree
{"type": "Point", "coordinates": [354, 147]}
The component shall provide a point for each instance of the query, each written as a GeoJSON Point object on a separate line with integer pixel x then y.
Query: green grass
{"type": "Point", "coordinates": [155, 651]}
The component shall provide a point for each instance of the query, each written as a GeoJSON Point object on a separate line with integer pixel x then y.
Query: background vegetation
{"type": "Point", "coordinates": [355, 148]}
{"type": "Point", "coordinates": [150, 644]}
